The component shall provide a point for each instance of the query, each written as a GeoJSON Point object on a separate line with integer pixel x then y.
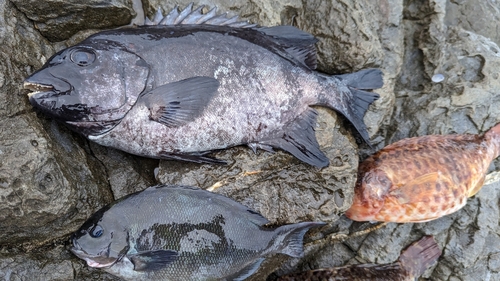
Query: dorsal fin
{"type": "Point", "coordinates": [298, 44]}
{"type": "Point", "coordinates": [287, 41]}
{"type": "Point", "coordinates": [196, 16]}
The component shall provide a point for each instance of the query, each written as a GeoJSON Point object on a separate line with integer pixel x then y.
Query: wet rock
{"type": "Point", "coordinates": [474, 16]}
{"type": "Point", "coordinates": [465, 102]}
{"type": "Point", "coordinates": [53, 263]}
{"type": "Point", "coordinates": [126, 173]}
{"type": "Point", "coordinates": [58, 20]}
{"type": "Point", "coordinates": [263, 12]}
{"type": "Point", "coordinates": [44, 193]}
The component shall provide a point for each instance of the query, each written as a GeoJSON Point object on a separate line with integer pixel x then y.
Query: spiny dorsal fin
{"type": "Point", "coordinates": [196, 16]}
{"type": "Point", "coordinates": [289, 42]}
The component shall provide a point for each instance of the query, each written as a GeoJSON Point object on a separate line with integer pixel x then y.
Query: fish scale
{"type": "Point", "coordinates": [190, 83]}
{"type": "Point", "coordinates": [423, 178]}
{"type": "Point", "coordinates": [182, 233]}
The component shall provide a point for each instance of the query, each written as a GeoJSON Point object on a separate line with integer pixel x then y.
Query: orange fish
{"type": "Point", "coordinates": [423, 178]}
{"type": "Point", "coordinates": [412, 263]}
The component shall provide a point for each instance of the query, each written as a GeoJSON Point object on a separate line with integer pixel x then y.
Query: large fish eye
{"type": "Point", "coordinates": [96, 231]}
{"type": "Point", "coordinates": [82, 57]}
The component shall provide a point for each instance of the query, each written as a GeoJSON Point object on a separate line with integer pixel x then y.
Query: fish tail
{"type": "Point", "coordinates": [420, 255]}
{"type": "Point", "coordinates": [288, 239]}
{"type": "Point", "coordinates": [356, 104]}
{"type": "Point", "coordinates": [494, 135]}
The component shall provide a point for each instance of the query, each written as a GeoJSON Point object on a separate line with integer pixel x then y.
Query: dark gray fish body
{"type": "Point", "coordinates": [182, 233]}
{"type": "Point", "coordinates": [412, 263]}
{"type": "Point", "coordinates": [180, 91]}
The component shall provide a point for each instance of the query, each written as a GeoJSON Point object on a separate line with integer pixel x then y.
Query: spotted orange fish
{"type": "Point", "coordinates": [423, 178]}
{"type": "Point", "coordinates": [412, 263]}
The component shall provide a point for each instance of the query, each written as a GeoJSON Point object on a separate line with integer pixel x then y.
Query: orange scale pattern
{"type": "Point", "coordinates": [423, 178]}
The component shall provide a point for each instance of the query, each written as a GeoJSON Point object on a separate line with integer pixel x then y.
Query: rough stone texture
{"type": "Point", "coordinates": [59, 19]}
{"type": "Point", "coordinates": [51, 179]}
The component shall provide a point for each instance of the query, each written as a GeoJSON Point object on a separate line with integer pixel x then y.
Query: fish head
{"type": "Point", "coordinates": [101, 241]}
{"type": "Point", "coordinates": [370, 192]}
{"type": "Point", "coordinates": [90, 86]}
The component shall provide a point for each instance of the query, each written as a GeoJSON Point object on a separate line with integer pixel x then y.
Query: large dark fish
{"type": "Point", "coordinates": [182, 233]}
{"type": "Point", "coordinates": [423, 178]}
{"type": "Point", "coordinates": [412, 263]}
{"type": "Point", "coordinates": [191, 83]}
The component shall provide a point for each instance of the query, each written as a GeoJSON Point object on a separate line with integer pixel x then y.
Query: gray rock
{"type": "Point", "coordinates": [58, 19]}
{"type": "Point", "coordinates": [473, 16]}
{"type": "Point", "coordinates": [55, 264]}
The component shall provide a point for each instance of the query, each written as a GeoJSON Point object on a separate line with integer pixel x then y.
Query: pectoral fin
{"type": "Point", "coordinates": [153, 260]}
{"type": "Point", "coordinates": [178, 103]}
{"type": "Point", "coordinates": [299, 140]}
{"type": "Point", "coordinates": [422, 187]}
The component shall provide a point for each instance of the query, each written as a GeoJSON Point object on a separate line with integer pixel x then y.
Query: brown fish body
{"type": "Point", "coordinates": [412, 263]}
{"type": "Point", "coordinates": [423, 178]}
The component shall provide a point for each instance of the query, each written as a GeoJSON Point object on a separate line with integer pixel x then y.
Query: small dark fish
{"type": "Point", "coordinates": [190, 83]}
{"type": "Point", "coordinates": [423, 178]}
{"type": "Point", "coordinates": [182, 233]}
{"type": "Point", "coordinates": [412, 263]}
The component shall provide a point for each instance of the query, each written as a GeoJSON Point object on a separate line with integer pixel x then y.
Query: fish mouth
{"type": "Point", "coordinates": [92, 260]}
{"type": "Point", "coordinates": [37, 88]}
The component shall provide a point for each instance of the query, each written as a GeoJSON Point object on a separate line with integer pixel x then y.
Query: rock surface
{"type": "Point", "coordinates": [58, 20]}
{"type": "Point", "coordinates": [51, 179]}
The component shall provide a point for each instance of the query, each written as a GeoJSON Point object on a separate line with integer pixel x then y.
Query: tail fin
{"type": "Point", "coordinates": [288, 239]}
{"type": "Point", "coordinates": [420, 255]}
{"type": "Point", "coordinates": [359, 83]}
{"type": "Point", "coordinates": [494, 135]}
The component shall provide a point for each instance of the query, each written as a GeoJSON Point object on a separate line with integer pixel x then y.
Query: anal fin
{"type": "Point", "coordinates": [196, 158]}
{"type": "Point", "coordinates": [247, 271]}
{"type": "Point", "coordinates": [300, 141]}
{"type": "Point", "coordinates": [255, 145]}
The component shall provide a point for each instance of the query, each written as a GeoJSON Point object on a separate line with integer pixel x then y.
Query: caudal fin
{"type": "Point", "coordinates": [494, 135]}
{"type": "Point", "coordinates": [288, 239]}
{"type": "Point", "coordinates": [420, 255]}
{"type": "Point", "coordinates": [359, 83]}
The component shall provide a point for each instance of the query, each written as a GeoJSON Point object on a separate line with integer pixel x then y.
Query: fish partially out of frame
{"type": "Point", "coordinates": [190, 83]}
{"type": "Point", "coordinates": [412, 263]}
{"type": "Point", "coordinates": [182, 233]}
{"type": "Point", "coordinates": [423, 178]}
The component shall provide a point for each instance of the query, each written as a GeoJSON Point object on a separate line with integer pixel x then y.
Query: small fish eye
{"type": "Point", "coordinates": [96, 231]}
{"type": "Point", "coordinates": [82, 57]}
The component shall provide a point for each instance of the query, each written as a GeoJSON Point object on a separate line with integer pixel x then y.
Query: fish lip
{"type": "Point", "coordinates": [77, 251]}
{"type": "Point", "coordinates": [37, 88]}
